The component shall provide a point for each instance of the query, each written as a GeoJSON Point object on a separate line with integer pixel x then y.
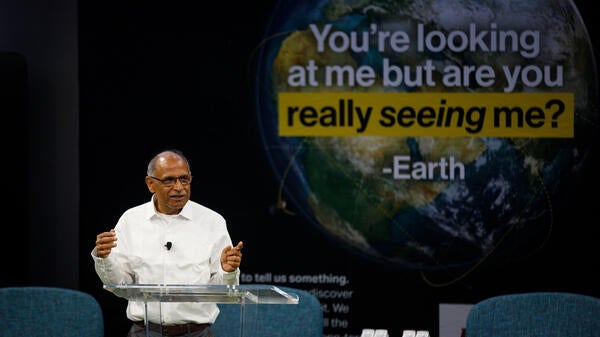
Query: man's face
{"type": "Point", "coordinates": [171, 184]}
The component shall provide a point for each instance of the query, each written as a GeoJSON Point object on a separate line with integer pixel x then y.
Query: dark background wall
{"type": "Point", "coordinates": [39, 41]}
{"type": "Point", "coordinates": [64, 186]}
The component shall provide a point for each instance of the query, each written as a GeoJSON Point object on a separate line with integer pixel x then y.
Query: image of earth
{"type": "Point", "coordinates": [337, 183]}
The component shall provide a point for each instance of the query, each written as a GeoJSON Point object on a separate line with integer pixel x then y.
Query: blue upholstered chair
{"type": "Point", "coordinates": [304, 319]}
{"type": "Point", "coordinates": [536, 314]}
{"type": "Point", "coordinates": [49, 312]}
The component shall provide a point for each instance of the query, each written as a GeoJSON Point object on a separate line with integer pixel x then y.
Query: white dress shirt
{"type": "Point", "coordinates": [197, 235]}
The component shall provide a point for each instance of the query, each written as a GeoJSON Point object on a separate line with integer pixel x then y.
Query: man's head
{"type": "Point", "coordinates": [169, 177]}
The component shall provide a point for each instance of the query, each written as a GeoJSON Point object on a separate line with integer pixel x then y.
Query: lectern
{"type": "Point", "coordinates": [242, 295]}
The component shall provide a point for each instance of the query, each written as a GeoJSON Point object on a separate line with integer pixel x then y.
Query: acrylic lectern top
{"type": "Point", "coordinates": [242, 294]}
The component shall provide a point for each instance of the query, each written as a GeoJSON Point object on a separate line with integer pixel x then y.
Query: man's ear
{"type": "Point", "coordinates": [150, 184]}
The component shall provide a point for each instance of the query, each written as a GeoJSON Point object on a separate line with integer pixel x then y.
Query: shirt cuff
{"type": "Point", "coordinates": [231, 278]}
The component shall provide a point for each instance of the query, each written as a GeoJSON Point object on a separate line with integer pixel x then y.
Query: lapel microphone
{"type": "Point", "coordinates": [168, 245]}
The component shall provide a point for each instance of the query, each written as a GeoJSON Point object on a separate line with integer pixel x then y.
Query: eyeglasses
{"type": "Point", "coordinates": [171, 181]}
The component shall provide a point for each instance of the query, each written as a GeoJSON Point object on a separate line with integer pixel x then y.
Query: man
{"type": "Point", "coordinates": [169, 240]}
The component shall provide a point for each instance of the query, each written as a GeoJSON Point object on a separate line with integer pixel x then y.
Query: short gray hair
{"type": "Point", "coordinates": [151, 170]}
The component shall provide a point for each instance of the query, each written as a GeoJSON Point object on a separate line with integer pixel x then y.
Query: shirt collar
{"type": "Point", "coordinates": [151, 211]}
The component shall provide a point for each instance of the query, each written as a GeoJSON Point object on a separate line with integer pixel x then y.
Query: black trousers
{"type": "Point", "coordinates": [138, 331]}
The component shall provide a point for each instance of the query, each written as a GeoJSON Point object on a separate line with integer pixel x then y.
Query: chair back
{"type": "Point", "coordinates": [49, 312]}
{"type": "Point", "coordinates": [304, 319]}
{"type": "Point", "coordinates": [543, 314]}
